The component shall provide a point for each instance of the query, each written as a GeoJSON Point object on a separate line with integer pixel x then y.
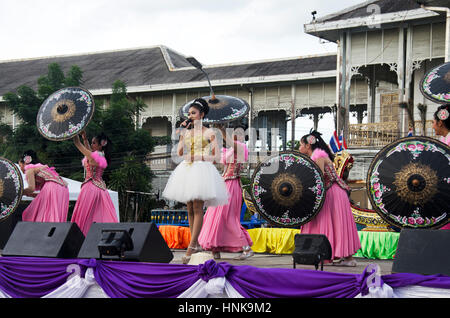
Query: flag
{"type": "Point", "coordinates": [335, 144]}
{"type": "Point", "coordinates": [410, 133]}
{"type": "Point", "coordinates": [342, 141]}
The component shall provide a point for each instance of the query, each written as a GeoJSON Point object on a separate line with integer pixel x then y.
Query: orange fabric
{"type": "Point", "coordinates": [177, 237]}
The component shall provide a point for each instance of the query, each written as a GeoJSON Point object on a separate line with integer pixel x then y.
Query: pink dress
{"type": "Point", "coordinates": [52, 202]}
{"type": "Point", "coordinates": [94, 203]}
{"type": "Point", "coordinates": [335, 219]}
{"type": "Point", "coordinates": [445, 140]}
{"type": "Point", "coordinates": [222, 229]}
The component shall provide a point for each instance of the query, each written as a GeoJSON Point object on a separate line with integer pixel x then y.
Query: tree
{"type": "Point", "coordinates": [127, 171]}
{"type": "Point", "coordinates": [131, 181]}
{"type": "Point", "coordinates": [25, 104]}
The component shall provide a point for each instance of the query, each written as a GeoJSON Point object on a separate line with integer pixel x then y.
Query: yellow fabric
{"type": "Point", "coordinates": [273, 240]}
{"type": "Point", "coordinates": [378, 245]}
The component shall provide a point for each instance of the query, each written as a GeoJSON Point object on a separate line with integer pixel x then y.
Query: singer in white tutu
{"type": "Point", "coordinates": [196, 181]}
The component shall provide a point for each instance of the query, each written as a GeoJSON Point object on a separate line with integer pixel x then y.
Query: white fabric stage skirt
{"type": "Point", "coordinates": [198, 180]}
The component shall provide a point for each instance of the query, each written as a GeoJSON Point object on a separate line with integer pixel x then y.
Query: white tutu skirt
{"type": "Point", "coordinates": [198, 180]}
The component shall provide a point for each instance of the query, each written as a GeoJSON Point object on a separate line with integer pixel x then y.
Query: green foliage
{"type": "Point", "coordinates": [289, 145]}
{"type": "Point", "coordinates": [132, 175]}
{"type": "Point", "coordinates": [25, 104]}
{"type": "Point", "coordinates": [127, 171]}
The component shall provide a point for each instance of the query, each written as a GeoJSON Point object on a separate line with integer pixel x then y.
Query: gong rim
{"type": "Point", "coordinates": [425, 87]}
{"type": "Point", "coordinates": [19, 191]}
{"type": "Point", "coordinates": [263, 213]}
{"type": "Point", "coordinates": [75, 132]}
{"type": "Point", "coordinates": [240, 115]}
{"type": "Point", "coordinates": [387, 218]}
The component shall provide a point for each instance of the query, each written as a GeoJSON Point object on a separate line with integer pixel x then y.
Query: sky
{"type": "Point", "coordinates": [213, 31]}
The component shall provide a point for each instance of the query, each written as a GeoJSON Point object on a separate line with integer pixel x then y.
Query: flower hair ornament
{"type": "Point", "coordinates": [27, 159]}
{"type": "Point", "coordinates": [443, 114]}
{"type": "Point", "coordinates": [103, 142]}
{"type": "Point", "coordinates": [311, 139]}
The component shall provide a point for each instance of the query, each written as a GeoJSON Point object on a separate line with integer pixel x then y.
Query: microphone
{"type": "Point", "coordinates": [188, 122]}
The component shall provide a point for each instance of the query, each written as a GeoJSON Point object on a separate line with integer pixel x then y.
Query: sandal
{"type": "Point", "coordinates": [246, 254]}
{"type": "Point", "coordinates": [216, 255]}
{"type": "Point", "coordinates": [349, 263]}
{"type": "Point", "coordinates": [186, 258]}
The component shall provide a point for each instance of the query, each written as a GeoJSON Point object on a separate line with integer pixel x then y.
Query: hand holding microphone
{"type": "Point", "coordinates": [187, 123]}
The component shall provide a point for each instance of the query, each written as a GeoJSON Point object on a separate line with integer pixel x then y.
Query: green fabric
{"type": "Point", "coordinates": [377, 245]}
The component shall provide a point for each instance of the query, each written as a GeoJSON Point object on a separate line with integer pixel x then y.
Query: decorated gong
{"type": "Point", "coordinates": [11, 188]}
{"type": "Point", "coordinates": [288, 189]}
{"type": "Point", "coordinates": [408, 183]}
{"type": "Point", "coordinates": [435, 85]}
{"type": "Point", "coordinates": [65, 113]}
{"type": "Point", "coordinates": [222, 109]}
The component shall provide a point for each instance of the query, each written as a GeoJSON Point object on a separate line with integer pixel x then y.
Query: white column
{"type": "Point", "coordinates": [401, 78]}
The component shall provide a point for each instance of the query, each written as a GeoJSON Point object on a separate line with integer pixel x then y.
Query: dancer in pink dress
{"type": "Point", "coordinates": [335, 219]}
{"type": "Point", "coordinates": [222, 229]}
{"type": "Point", "coordinates": [51, 204]}
{"type": "Point", "coordinates": [441, 126]}
{"type": "Point", "coordinates": [94, 203]}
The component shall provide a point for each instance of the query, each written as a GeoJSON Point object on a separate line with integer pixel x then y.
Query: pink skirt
{"type": "Point", "coordinates": [50, 205]}
{"type": "Point", "coordinates": [335, 221]}
{"type": "Point", "coordinates": [93, 205]}
{"type": "Point", "coordinates": [222, 229]}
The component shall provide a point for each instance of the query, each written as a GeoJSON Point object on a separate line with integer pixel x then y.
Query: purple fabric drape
{"type": "Point", "coordinates": [29, 277]}
{"type": "Point", "coordinates": [36, 277]}
{"type": "Point", "coordinates": [253, 282]}
{"type": "Point", "coordinates": [136, 280]}
{"type": "Point", "coordinates": [406, 279]}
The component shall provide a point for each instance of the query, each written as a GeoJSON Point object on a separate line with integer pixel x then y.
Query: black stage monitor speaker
{"type": "Point", "coordinates": [311, 249]}
{"type": "Point", "coordinates": [421, 251]}
{"type": "Point", "coordinates": [147, 243]}
{"type": "Point", "coordinates": [44, 239]}
{"type": "Point", "coordinates": [7, 226]}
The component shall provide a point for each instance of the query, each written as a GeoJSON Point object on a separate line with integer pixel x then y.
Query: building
{"type": "Point", "coordinates": [384, 48]}
{"type": "Point", "coordinates": [385, 42]}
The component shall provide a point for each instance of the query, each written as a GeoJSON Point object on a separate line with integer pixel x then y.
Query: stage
{"type": "Point", "coordinates": [264, 275]}
{"type": "Point", "coordinates": [261, 276]}
{"type": "Point", "coordinates": [266, 260]}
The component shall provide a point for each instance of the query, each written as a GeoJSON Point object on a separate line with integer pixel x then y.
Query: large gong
{"type": "Point", "coordinates": [288, 189]}
{"type": "Point", "coordinates": [65, 113]}
{"type": "Point", "coordinates": [408, 183]}
{"type": "Point", "coordinates": [11, 188]}
{"type": "Point", "coordinates": [435, 85]}
{"type": "Point", "coordinates": [222, 109]}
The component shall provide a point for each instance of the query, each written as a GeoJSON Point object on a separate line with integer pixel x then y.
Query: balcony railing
{"type": "Point", "coordinates": [381, 134]}
{"type": "Point", "coordinates": [372, 134]}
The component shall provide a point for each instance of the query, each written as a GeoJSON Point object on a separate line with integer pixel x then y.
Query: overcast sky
{"type": "Point", "coordinates": [213, 31]}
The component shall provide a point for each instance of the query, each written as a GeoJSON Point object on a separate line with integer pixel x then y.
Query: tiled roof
{"type": "Point", "coordinates": [150, 66]}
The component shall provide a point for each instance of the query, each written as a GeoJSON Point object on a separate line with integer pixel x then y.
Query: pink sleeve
{"type": "Point", "coordinates": [228, 153]}
{"type": "Point", "coordinates": [100, 160]}
{"type": "Point", "coordinates": [244, 146]}
{"type": "Point", "coordinates": [318, 153]}
{"type": "Point", "coordinates": [31, 166]}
